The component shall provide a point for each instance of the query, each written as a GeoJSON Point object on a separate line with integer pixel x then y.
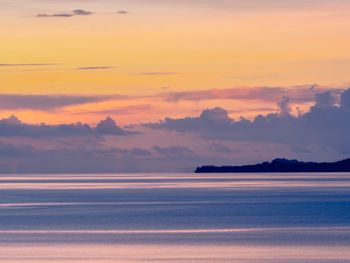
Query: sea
{"type": "Point", "coordinates": [163, 218]}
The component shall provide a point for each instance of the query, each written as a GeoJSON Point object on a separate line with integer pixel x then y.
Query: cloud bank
{"type": "Point", "coordinates": [324, 124]}
{"type": "Point", "coordinates": [13, 127]}
{"type": "Point", "coordinates": [177, 144]}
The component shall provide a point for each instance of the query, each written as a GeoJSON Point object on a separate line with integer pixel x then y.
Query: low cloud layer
{"type": "Point", "coordinates": [13, 127]}
{"type": "Point", "coordinates": [324, 124]}
{"type": "Point", "coordinates": [179, 144]}
{"type": "Point", "coordinates": [297, 95]}
{"type": "Point", "coordinates": [28, 159]}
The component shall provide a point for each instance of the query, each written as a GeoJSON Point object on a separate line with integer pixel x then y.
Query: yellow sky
{"type": "Point", "coordinates": [193, 50]}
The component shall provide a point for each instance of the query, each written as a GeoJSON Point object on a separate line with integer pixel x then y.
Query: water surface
{"type": "Point", "coordinates": [175, 218]}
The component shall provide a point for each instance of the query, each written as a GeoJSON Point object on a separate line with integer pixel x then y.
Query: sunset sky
{"type": "Point", "coordinates": [176, 83]}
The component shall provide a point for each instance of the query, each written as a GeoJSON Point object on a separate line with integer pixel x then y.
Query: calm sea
{"type": "Point", "coordinates": [175, 218]}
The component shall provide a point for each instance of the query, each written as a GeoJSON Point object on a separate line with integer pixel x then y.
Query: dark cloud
{"type": "Point", "coordinates": [13, 127]}
{"type": "Point", "coordinates": [109, 127]}
{"type": "Point", "coordinates": [216, 115]}
{"type": "Point", "coordinates": [43, 15]}
{"type": "Point", "coordinates": [47, 102]}
{"type": "Point", "coordinates": [55, 15]}
{"type": "Point", "coordinates": [325, 99]}
{"type": "Point", "coordinates": [325, 124]}
{"type": "Point", "coordinates": [244, 110]}
{"type": "Point", "coordinates": [215, 119]}
{"type": "Point", "coordinates": [122, 12]}
{"type": "Point", "coordinates": [76, 12]}
{"type": "Point", "coordinates": [28, 159]}
{"type": "Point", "coordinates": [94, 68]}
{"type": "Point", "coordinates": [81, 12]}
{"type": "Point", "coordinates": [62, 15]}
{"type": "Point", "coordinates": [345, 100]}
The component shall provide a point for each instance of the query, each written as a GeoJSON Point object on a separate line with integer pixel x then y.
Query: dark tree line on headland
{"type": "Point", "coordinates": [280, 166]}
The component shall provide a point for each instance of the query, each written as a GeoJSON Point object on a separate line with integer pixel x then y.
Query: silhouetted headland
{"type": "Point", "coordinates": [280, 166]}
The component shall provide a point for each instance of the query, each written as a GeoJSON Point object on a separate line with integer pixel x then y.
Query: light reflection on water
{"type": "Point", "coordinates": [176, 181]}
{"type": "Point", "coordinates": [166, 253]}
{"type": "Point", "coordinates": [175, 218]}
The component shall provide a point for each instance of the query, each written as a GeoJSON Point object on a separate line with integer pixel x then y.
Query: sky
{"type": "Point", "coordinates": [165, 86]}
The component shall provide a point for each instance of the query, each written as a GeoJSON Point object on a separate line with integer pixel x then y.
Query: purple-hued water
{"type": "Point", "coordinates": [175, 218]}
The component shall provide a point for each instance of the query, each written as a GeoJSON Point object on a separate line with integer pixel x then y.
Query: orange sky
{"type": "Point", "coordinates": [159, 48]}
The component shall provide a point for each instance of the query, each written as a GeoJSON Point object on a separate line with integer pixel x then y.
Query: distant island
{"type": "Point", "coordinates": [280, 165]}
